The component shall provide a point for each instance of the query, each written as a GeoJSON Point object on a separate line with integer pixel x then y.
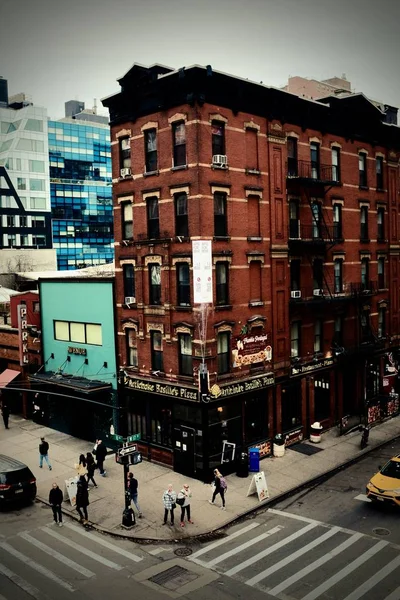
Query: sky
{"type": "Point", "coordinates": [56, 50]}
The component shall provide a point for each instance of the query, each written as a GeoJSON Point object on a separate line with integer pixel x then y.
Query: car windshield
{"type": "Point", "coordinates": [392, 469]}
{"type": "Point", "coordinates": [20, 476]}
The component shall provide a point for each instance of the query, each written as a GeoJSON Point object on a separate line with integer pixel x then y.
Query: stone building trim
{"type": "Point", "coordinates": [177, 117]}
{"type": "Point", "coordinates": [180, 190]}
{"type": "Point", "coordinates": [152, 258]}
{"type": "Point", "coordinates": [149, 125]}
{"type": "Point", "coordinates": [154, 327]}
{"type": "Point", "coordinates": [217, 117]}
{"type": "Point", "coordinates": [251, 125]}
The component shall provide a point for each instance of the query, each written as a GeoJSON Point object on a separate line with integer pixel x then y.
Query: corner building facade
{"type": "Point", "coordinates": [300, 201]}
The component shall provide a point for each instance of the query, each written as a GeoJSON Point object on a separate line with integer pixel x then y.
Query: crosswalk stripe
{"type": "Point", "coordinates": [363, 498]}
{"type": "Point", "coordinates": [238, 549]}
{"type": "Point", "coordinates": [395, 595]}
{"type": "Point", "coordinates": [85, 551]}
{"type": "Point", "coordinates": [372, 581]}
{"type": "Point", "coordinates": [281, 513]}
{"type": "Point", "coordinates": [315, 565]}
{"type": "Point", "coordinates": [321, 589]}
{"type": "Point", "coordinates": [226, 539]}
{"type": "Point", "coordinates": [269, 550]}
{"type": "Point", "coordinates": [21, 583]}
{"type": "Point", "coordinates": [51, 552]}
{"type": "Point", "coordinates": [37, 567]}
{"type": "Point", "coordinates": [285, 561]}
{"type": "Point", "coordinates": [97, 539]}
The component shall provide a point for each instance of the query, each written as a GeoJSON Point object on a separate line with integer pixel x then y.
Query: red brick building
{"type": "Point", "coordinates": [300, 201]}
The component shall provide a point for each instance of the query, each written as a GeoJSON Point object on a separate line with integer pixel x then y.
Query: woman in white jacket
{"type": "Point", "coordinates": [184, 495]}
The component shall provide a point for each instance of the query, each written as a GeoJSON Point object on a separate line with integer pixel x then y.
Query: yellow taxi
{"type": "Point", "coordinates": [385, 485]}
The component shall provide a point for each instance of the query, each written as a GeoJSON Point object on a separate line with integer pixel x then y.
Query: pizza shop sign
{"type": "Point", "coordinates": [249, 349]}
{"type": "Point", "coordinates": [23, 335]}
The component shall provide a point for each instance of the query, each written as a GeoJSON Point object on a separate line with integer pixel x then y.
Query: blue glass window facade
{"type": "Point", "coordinates": [81, 193]}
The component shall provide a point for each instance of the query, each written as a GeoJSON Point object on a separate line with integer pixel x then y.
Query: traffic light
{"type": "Point", "coordinates": [135, 458]}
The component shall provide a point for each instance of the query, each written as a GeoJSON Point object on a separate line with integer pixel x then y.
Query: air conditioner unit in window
{"type": "Point", "coordinates": [295, 294]}
{"type": "Point", "coordinates": [126, 172]}
{"type": "Point", "coordinates": [318, 292]}
{"type": "Point", "coordinates": [130, 300]}
{"type": "Point", "coordinates": [220, 160]}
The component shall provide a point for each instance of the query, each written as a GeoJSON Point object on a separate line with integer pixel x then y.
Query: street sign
{"type": "Point", "coordinates": [133, 438]}
{"type": "Point", "coordinates": [126, 450]}
{"type": "Point", "coordinates": [115, 437]}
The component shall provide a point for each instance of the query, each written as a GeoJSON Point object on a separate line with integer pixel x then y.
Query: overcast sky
{"type": "Point", "coordinates": [58, 50]}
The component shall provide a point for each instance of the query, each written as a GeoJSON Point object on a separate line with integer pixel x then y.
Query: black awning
{"type": "Point", "coordinates": [79, 384]}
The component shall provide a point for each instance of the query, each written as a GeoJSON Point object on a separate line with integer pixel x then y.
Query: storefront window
{"type": "Point", "coordinates": [137, 417]}
{"type": "Point", "coordinates": [291, 406]}
{"type": "Point", "coordinates": [321, 399]}
{"type": "Point", "coordinates": [256, 419]}
{"type": "Point", "coordinates": [161, 423]}
{"type": "Point", "coordinates": [225, 424]}
{"type": "Point", "coordinates": [371, 380]}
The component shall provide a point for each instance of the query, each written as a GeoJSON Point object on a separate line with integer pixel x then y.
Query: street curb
{"type": "Point", "coordinates": [219, 531]}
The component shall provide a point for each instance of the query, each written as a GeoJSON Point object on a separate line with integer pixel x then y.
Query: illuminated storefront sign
{"type": "Point", "coordinates": [23, 335]}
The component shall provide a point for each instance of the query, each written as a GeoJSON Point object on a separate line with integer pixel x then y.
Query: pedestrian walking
{"type": "Point", "coordinates": [81, 467]}
{"type": "Point", "coordinates": [56, 498]}
{"type": "Point", "coordinates": [183, 500]}
{"type": "Point", "coordinates": [100, 451]}
{"type": "Point", "coordinates": [82, 499]}
{"type": "Point", "coordinates": [169, 500]}
{"type": "Point", "coordinates": [5, 411]}
{"type": "Point", "coordinates": [133, 491]}
{"type": "Point", "coordinates": [44, 453]}
{"type": "Point", "coordinates": [91, 466]}
{"type": "Point", "coordinates": [220, 487]}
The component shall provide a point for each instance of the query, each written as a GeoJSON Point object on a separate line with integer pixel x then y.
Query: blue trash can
{"type": "Point", "coordinates": [254, 454]}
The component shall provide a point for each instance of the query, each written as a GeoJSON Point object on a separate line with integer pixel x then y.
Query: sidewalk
{"type": "Point", "coordinates": [283, 475]}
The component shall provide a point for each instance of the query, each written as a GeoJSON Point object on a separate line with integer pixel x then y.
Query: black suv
{"type": "Point", "coordinates": [17, 482]}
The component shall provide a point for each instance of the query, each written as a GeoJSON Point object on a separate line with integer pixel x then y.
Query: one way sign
{"type": "Point", "coordinates": [126, 450]}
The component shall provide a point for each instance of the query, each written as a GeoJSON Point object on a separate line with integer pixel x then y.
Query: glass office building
{"type": "Point", "coordinates": [81, 193]}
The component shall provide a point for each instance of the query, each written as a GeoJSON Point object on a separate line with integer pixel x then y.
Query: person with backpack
{"type": "Point", "coordinates": [220, 487]}
{"type": "Point", "coordinates": [183, 499]}
{"type": "Point", "coordinates": [91, 466]}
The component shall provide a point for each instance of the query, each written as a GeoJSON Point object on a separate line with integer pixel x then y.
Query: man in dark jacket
{"type": "Point", "coordinates": [44, 453]}
{"type": "Point", "coordinates": [56, 498]}
{"type": "Point", "coordinates": [133, 491]}
{"type": "Point", "coordinates": [101, 453]}
{"type": "Point", "coordinates": [5, 411]}
{"type": "Point", "coordinates": [82, 499]}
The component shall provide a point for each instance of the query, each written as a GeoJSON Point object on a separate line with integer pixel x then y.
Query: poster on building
{"type": "Point", "coordinates": [249, 349]}
{"type": "Point", "coordinates": [259, 485]}
{"type": "Point", "coordinates": [390, 374]}
{"type": "Point", "coordinates": [202, 272]}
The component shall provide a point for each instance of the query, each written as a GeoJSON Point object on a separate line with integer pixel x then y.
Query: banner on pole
{"type": "Point", "coordinates": [202, 272]}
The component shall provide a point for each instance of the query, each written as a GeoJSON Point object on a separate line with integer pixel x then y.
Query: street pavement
{"type": "Point", "coordinates": [283, 475]}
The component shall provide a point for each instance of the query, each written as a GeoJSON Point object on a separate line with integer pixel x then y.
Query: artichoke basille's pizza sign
{"type": "Point", "coordinates": [248, 349]}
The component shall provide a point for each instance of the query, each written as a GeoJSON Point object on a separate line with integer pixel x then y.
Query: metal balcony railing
{"type": "Point", "coordinates": [310, 171]}
{"type": "Point", "coordinates": [316, 233]}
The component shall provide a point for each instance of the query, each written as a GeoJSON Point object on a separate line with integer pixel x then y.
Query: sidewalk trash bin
{"type": "Point", "coordinates": [315, 432]}
{"type": "Point", "coordinates": [128, 518]}
{"type": "Point", "coordinates": [243, 465]}
{"type": "Point", "coordinates": [279, 445]}
{"type": "Point", "coordinates": [254, 460]}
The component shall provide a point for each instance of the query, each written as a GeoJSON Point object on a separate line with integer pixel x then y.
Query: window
{"type": "Point", "coordinates": [36, 307]}
{"type": "Point", "coordinates": [183, 284]}
{"type": "Point", "coordinates": [295, 339]}
{"type": "Point", "coordinates": [179, 142]}
{"type": "Point", "coordinates": [338, 330]}
{"type": "Point", "coordinates": [24, 240]}
{"type": "Point", "coordinates": [36, 166]}
{"type": "Point", "coordinates": [153, 222]}
{"type": "Point", "coordinates": [80, 333]}
{"type": "Point", "coordinates": [21, 183]}
{"type": "Point", "coordinates": [150, 144]}
{"type": "Point", "coordinates": [335, 164]}
{"type": "Point", "coordinates": [222, 283]}
{"type": "Point", "coordinates": [294, 275]}
{"type": "Point", "coordinates": [11, 240]}
{"type": "Point", "coordinates": [38, 222]}
{"type": "Point", "coordinates": [365, 274]}
{"type": "Point", "coordinates": [127, 220]}
{"type": "Point", "coordinates": [338, 275]}
{"type": "Point", "coordinates": [294, 221]}
{"type": "Point", "coordinates": [38, 203]}
{"type": "Point", "coordinates": [253, 212]}
{"type": "Point", "coordinates": [220, 217]}
{"type": "Point", "coordinates": [365, 325]}
{"type": "Point", "coordinates": [364, 223]}
{"type": "Point", "coordinates": [125, 153]}
{"type": "Point", "coordinates": [155, 284]}
{"type": "Point", "coordinates": [185, 354]}
{"type": "Point", "coordinates": [380, 217]}
{"type": "Point", "coordinates": [337, 222]}
{"type": "Point", "coordinates": [181, 215]}
{"type": "Point", "coordinates": [131, 347]}
{"type": "Point", "coordinates": [36, 185]}
{"type": "Point", "coordinates": [362, 169]}
{"type": "Point", "coordinates": [218, 137]}
{"type": "Point", "coordinates": [381, 322]}
{"type": "Point", "coordinates": [292, 156]}
{"type": "Point", "coordinates": [223, 352]}
{"type": "Point", "coordinates": [381, 273]}
{"type": "Point", "coordinates": [318, 274]}
{"type": "Point", "coordinates": [10, 221]}
{"type": "Point", "coordinates": [255, 281]}
{"type": "Point", "coordinates": [317, 336]}
{"type": "Point", "coordinates": [38, 240]}
{"type": "Point", "coordinates": [316, 219]}
{"type": "Point", "coordinates": [156, 351]}
{"type": "Point", "coordinates": [251, 149]}
{"type": "Point", "coordinates": [315, 166]}
{"type": "Point", "coordinates": [33, 125]}
{"type": "Point", "coordinates": [379, 173]}
{"type": "Point", "coordinates": [129, 281]}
